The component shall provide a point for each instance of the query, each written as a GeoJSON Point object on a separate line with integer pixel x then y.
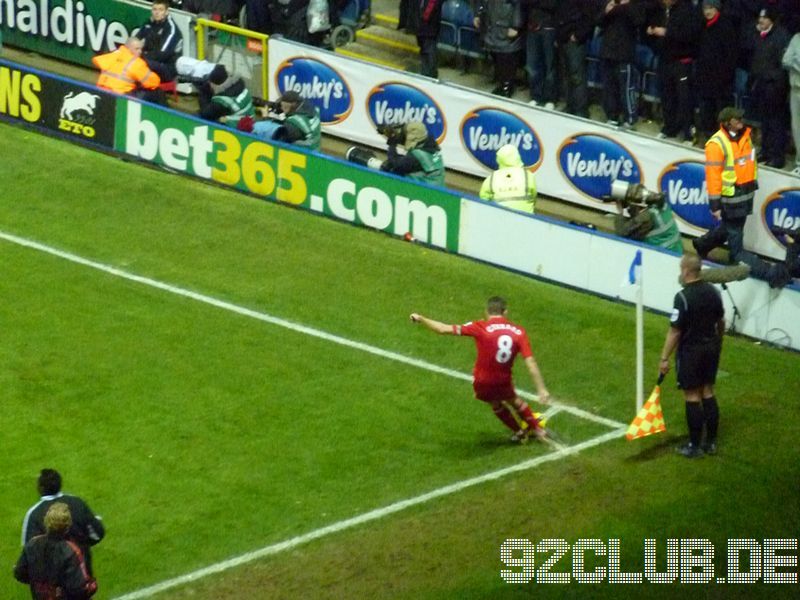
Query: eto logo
{"type": "Point", "coordinates": [319, 83]}
{"type": "Point", "coordinates": [684, 186]}
{"type": "Point", "coordinates": [485, 130]}
{"type": "Point", "coordinates": [591, 162]}
{"type": "Point", "coordinates": [782, 209]}
{"type": "Point", "coordinates": [396, 103]}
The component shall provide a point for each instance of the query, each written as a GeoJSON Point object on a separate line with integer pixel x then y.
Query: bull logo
{"type": "Point", "coordinates": [82, 102]}
{"type": "Point", "coordinates": [77, 113]}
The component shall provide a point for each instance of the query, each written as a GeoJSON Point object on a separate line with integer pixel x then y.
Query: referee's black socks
{"type": "Point", "coordinates": [695, 419]}
{"type": "Point", "coordinates": [711, 412]}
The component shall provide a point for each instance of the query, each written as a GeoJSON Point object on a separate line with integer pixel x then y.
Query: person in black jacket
{"type": "Point", "coordinates": [540, 51]}
{"type": "Point", "coordinates": [575, 20]}
{"type": "Point", "coordinates": [715, 67]}
{"type": "Point", "coordinates": [500, 23]}
{"type": "Point", "coordinates": [53, 565]}
{"type": "Point", "coordinates": [289, 19]}
{"type": "Point", "coordinates": [769, 88]}
{"type": "Point", "coordinates": [619, 26]}
{"type": "Point", "coordinates": [430, 22]}
{"type": "Point", "coordinates": [163, 42]}
{"type": "Point", "coordinates": [85, 529]}
{"type": "Point", "coordinates": [675, 29]}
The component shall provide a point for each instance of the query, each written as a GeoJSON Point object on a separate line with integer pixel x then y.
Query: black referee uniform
{"type": "Point", "coordinates": [697, 315]}
{"type": "Point", "coordinates": [696, 312]}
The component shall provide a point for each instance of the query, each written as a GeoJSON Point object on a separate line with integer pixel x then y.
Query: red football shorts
{"type": "Point", "coordinates": [492, 392]}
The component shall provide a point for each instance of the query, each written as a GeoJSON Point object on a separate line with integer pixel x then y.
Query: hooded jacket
{"type": "Point", "coordinates": [511, 185]}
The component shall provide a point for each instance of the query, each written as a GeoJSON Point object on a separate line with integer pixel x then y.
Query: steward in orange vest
{"type": "Point", "coordinates": [731, 181]}
{"type": "Point", "coordinates": [123, 71]}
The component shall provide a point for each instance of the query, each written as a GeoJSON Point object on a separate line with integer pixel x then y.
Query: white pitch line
{"type": "Point", "coordinates": [366, 517]}
{"type": "Point", "coordinates": [267, 318]}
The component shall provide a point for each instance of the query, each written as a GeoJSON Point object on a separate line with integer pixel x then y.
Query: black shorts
{"type": "Point", "coordinates": [697, 364]}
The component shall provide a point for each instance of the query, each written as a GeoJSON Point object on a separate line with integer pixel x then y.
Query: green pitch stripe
{"type": "Point", "coordinates": [298, 327]}
{"type": "Point", "coordinates": [367, 517]}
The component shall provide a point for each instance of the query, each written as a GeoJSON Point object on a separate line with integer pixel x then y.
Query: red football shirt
{"type": "Point", "coordinates": [498, 341]}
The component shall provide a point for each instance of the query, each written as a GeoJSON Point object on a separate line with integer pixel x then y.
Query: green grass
{"type": "Point", "coordinates": [200, 434]}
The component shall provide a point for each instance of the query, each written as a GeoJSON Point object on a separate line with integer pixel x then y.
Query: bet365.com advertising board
{"type": "Point", "coordinates": [311, 181]}
{"type": "Point", "coordinates": [574, 159]}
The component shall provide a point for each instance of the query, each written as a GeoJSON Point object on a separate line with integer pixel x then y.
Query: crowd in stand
{"type": "Point", "coordinates": [701, 55]}
{"type": "Point", "coordinates": [704, 55]}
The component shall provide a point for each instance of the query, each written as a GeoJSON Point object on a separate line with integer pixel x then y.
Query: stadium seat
{"type": "Point", "coordinates": [647, 67]}
{"type": "Point", "coordinates": [448, 34]}
{"type": "Point", "coordinates": [448, 38]}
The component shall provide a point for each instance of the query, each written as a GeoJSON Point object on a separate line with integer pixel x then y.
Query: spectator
{"type": "Point", "coordinates": [301, 124]}
{"type": "Point", "coordinates": [52, 565]}
{"type": "Point", "coordinates": [409, 16]}
{"type": "Point", "coordinates": [423, 158]}
{"type": "Point", "coordinates": [430, 22]}
{"type": "Point", "coordinates": [651, 223]}
{"type": "Point", "coordinates": [511, 185]}
{"type": "Point", "coordinates": [289, 19]}
{"type": "Point", "coordinates": [85, 529]}
{"type": "Point", "coordinates": [124, 71]}
{"type": "Point", "coordinates": [744, 13]}
{"type": "Point", "coordinates": [619, 25]}
{"type": "Point", "coordinates": [219, 10]}
{"type": "Point", "coordinates": [224, 97]}
{"type": "Point", "coordinates": [575, 21]}
{"type": "Point", "coordinates": [318, 21]}
{"type": "Point", "coordinates": [791, 62]}
{"type": "Point", "coordinates": [258, 17]}
{"type": "Point", "coordinates": [769, 89]}
{"type": "Point", "coordinates": [676, 27]}
{"type": "Point", "coordinates": [163, 42]}
{"type": "Point", "coordinates": [540, 51]}
{"type": "Point", "coordinates": [715, 67]}
{"type": "Point", "coordinates": [500, 23]}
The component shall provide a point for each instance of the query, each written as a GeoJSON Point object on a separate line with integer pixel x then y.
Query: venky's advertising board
{"type": "Point", "coordinates": [76, 30]}
{"type": "Point", "coordinates": [317, 183]}
{"type": "Point", "coordinates": [574, 159]}
{"type": "Point", "coordinates": [67, 108]}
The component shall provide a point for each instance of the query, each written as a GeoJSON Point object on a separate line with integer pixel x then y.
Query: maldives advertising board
{"type": "Point", "coordinates": [575, 160]}
{"type": "Point", "coordinates": [76, 30]}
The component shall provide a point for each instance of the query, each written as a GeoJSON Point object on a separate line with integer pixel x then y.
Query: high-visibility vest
{"type": "Point", "coordinates": [121, 72]}
{"type": "Point", "coordinates": [310, 128]}
{"type": "Point", "coordinates": [237, 106]}
{"type": "Point", "coordinates": [513, 187]}
{"type": "Point", "coordinates": [664, 231]}
{"type": "Point", "coordinates": [432, 166]}
{"type": "Point", "coordinates": [731, 177]}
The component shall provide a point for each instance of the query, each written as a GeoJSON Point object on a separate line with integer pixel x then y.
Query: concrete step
{"type": "Point", "coordinates": [379, 56]}
{"type": "Point", "coordinates": [391, 39]}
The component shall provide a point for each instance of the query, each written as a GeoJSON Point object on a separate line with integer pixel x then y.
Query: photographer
{"type": "Point", "coordinates": [301, 124]}
{"type": "Point", "coordinates": [223, 97]}
{"type": "Point", "coordinates": [423, 158]}
{"type": "Point", "coordinates": [651, 222]}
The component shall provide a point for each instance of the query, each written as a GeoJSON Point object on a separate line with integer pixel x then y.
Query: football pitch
{"type": "Point", "coordinates": [236, 388]}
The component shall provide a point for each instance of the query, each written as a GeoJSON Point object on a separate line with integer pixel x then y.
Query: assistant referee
{"type": "Point", "coordinates": [697, 325]}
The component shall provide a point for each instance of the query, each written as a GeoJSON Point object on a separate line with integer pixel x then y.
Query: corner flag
{"type": "Point", "coordinates": [634, 273]}
{"type": "Point", "coordinates": [650, 418]}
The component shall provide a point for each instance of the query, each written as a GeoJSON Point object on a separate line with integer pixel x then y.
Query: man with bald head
{"type": "Point", "coordinates": [697, 325]}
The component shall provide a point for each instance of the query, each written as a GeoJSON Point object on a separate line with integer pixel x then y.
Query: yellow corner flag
{"type": "Point", "coordinates": [650, 419]}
